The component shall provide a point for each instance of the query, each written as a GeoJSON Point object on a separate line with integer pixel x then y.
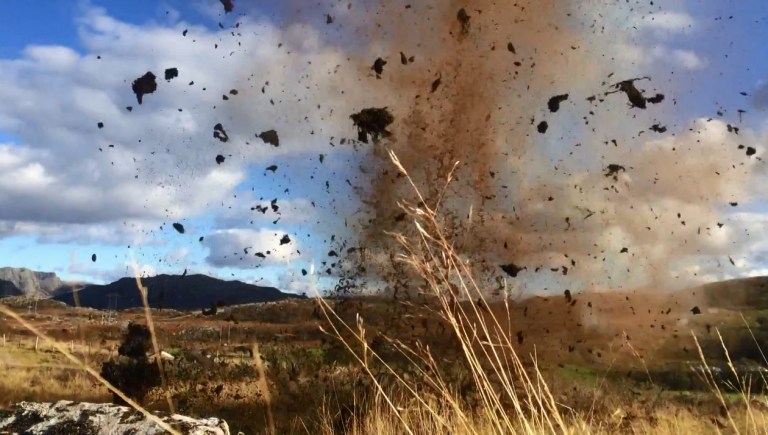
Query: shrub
{"type": "Point", "coordinates": [132, 372]}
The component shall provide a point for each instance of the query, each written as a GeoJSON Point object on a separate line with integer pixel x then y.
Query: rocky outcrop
{"type": "Point", "coordinates": [8, 289]}
{"type": "Point", "coordinates": [68, 418]}
{"type": "Point", "coordinates": [31, 283]}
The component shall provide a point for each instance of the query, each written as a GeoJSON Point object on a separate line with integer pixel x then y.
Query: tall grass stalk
{"type": "Point", "coordinates": [512, 397]}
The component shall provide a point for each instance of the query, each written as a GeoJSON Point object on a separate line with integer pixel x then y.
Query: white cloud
{"type": "Point", "coordinates": [238, 248]}
{"type": "Point", "coordinates": [648, 56]}
{"type": "Point", "coordinates": [667, 21]}
{"type": "Point", "coordinates": [162, 166]}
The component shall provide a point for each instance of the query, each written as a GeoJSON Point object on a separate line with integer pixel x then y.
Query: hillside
{"type": "Point", "coordinates": [29, 282]}
{"type": "Point", "coordinates": [191, 292]}
{"type": "Point", "coordinates": [738, 294]}
{"type": "Point", "coordinates": [8, 288]}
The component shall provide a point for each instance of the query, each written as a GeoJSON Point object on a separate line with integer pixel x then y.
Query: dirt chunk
{"type": "Point", "coordinates": [463, 18]}
{"type": "Point", "coordinates": [219, 133]}
{"type": "Point", "coordinates": [378, 67]}
{"type": "Point", "coordinates": [143, 85]}
{"type": "Point", "coordinates": [635, 96]}
{"type": "Point", "coordinates": [613, 169]}
{"type": "Point", "coordinates": [542, 127]}
{"type": "Point", "coordinates": [270, 137]}
{"type": "Point", "coordinates": [658, 128]}
{"type": "Point", "coordinates": [171, 73]}
{"type": "Point", "coordinates": [436, 84]}
{"type": "Point", "coordinates": [511, 269]}
{"type": "Point", "coordinates": [554, 103]}
{"type": "Point", "coordinates": [372, 122]}
{"type": "Point", "coordinates": [228, 6]}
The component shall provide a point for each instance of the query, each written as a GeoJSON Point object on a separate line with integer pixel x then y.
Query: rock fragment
{"type": "Point", "coordinates": [143, 85]}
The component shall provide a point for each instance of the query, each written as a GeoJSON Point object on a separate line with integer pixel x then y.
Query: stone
{"type": "Point", "coordinates": [67, 417]}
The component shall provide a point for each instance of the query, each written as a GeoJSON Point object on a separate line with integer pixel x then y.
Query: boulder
{"type": "Point", "coordinates": [66, 417]}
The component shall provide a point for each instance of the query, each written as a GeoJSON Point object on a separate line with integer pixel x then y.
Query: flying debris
{"type": "Point", "coordinates": [93, 258]}
{"type": "Point", "coordinates": [373, 123]}
{"type": "Point", "coordinates": [270, 137]}
{"type": "Point", "coordinates": [143, 85]}
{"type": "Point", "coordinates": [613, 169]}
{"type": "Point", "coordinates": [436, 84]}
{"type": "Point", "coordinates": [171, 73]}
{"type": "Point", "coordinates": [554, 103]}
{"type": "Point", "coordinates": [285, 240]}
{"type": "Point", "coordinates": [658, 128]}
{"type": "Point", "coordinates": [636, 98]}
{"type": "Point", "coordinates": [219, 159]}
{"type": "Point", "coordinates": [463, 20]}
{"type": "Point", "coordinates": [542, 127]}
{"type": "Point", "coordinates": [511, 269]}
{"type": "Point", "coordinates": [219, 133]}
{"type": "Point", "coordinates": [378, 67]}
{"type": "Point", "coordinates": [179, 227]}
{"type": "Point", "coordinates": [228, 6]}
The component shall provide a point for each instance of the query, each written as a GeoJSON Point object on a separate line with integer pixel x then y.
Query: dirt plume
{"type": "Point", "coordinates": [520, 196]}
{"type": "Point", "coordinates": [468, 98]}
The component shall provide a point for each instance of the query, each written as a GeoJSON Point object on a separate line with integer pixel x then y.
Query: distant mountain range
{"type": "Point", "coordinates": [190, 292]}
{"type": "Point", "coordinates": [24, 282]}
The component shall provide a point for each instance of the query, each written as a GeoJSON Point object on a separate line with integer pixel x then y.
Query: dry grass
{"type": "Point", "coordinates": [27, 376]}
{"type": "Point", "coordinates": [507, 395]}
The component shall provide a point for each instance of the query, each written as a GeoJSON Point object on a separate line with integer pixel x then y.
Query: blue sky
{"type": "Point", "coordinates": [71, 200]}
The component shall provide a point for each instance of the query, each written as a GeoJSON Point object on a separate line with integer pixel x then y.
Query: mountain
{"type": "Point", "coordinates": [8, 288]}
{"type": "Point", "coordinates": [735, 294]}
{"type": "Point", "coordinates": [30, 283]}
{"type": "Point", "coordinates": [191, 292]}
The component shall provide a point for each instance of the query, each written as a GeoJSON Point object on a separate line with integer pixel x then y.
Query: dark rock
{"type": "Point", "coordinates": [219, 133]}
{"type": "Point", "coordinates": [373, 123]}
{"type": "Point", "coordinates": [378, 67]}
{"type": "Point", "coordinates": [228, 6]}
{"type": "Point", "coordinates": [171, 73]}
{"type": "Point", "coordinates": [270, 137]}
{"type": "Point", "coordinates": [143, 85]}
{"type": "Point", "coordinates": [554, 103]}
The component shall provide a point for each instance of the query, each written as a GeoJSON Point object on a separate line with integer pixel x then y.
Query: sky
{"type": "Point", "coordinates": [71, 189]}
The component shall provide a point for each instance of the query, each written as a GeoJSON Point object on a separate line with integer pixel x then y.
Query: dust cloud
{"type": "Point", "coordinates": [473, 82]}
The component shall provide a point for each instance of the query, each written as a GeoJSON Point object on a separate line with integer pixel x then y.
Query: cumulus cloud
{"type": "Point", "coordinates": [240, 248]}
{"type": "Point", "coordinates": [157, 161]}
{"type": "Point", "coordinates": [647, 56]}
{"type": "Point", "coordinates": [667, 21]}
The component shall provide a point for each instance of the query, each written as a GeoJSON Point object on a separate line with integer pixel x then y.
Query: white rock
{"type": "Point", "coordinates": [66, 417]}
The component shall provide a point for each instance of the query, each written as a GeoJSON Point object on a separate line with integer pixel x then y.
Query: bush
{"type": "Point", "coordinates": [132, 372]}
